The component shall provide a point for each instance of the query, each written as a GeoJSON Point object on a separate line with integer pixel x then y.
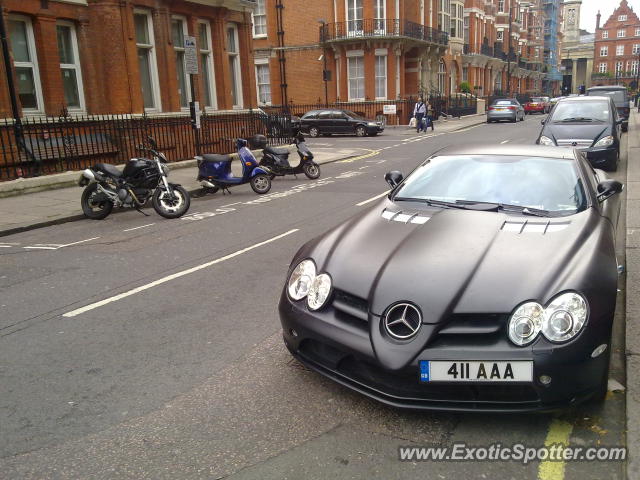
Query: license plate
{"type": "Point", "coordinates": [475, 371]}
{"type": "Point", "coordinates": [500, 109]}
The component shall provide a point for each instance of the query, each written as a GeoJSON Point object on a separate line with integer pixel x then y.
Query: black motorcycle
{"type": "Point", "coordinates": [277, 159]}
{"type": "Point", "coordinates": [142, 179]}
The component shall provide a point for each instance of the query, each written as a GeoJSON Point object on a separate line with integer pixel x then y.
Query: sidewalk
{"type": "Point", "coordinates": [58, 198]}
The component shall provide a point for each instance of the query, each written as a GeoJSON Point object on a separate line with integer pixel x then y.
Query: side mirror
{"type": "Point", "coordinates": [393, 178]}
{"type": "Point", "coordinates": [619, 121]}
{"type": "Point", "coordinates": [542, 122]}
{"type": "Point", "coordinates": [608, 188]}
{"type": "Point", "coordinates": [152, 142]}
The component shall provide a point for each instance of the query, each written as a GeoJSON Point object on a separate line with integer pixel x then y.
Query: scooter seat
{"type": "Point", "coordinates": [277, 151]}
{"type": "Point", "coordinates": [213, 157]}
{"type": "Point", "coordinates": [108, 169]}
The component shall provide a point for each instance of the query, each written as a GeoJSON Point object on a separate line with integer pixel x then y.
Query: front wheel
{"type": "Point", "coordinates": [311, 170]}
{"type": "Point", "coordinates": [361, 131]}
{"type": "Point", "coordinates": [94, 205]}
{"type": "Point", "coordinates": [261, 183]}
{"type": "Point", "coordinates": [171, 205]}
{"type": "Point", "coordinates": [314, 132]}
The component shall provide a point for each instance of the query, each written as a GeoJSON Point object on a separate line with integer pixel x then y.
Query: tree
{"type": "Point", "coordinates": [465, 87]}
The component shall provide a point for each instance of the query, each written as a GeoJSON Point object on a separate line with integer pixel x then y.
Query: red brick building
{"type": "Point", "coordinates": [617, 48]}
{"type": "Point", "coordinates": [107, 56]}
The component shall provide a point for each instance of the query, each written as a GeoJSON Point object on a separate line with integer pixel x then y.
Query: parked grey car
{"type": "Point", "coordinates": [505, 109]}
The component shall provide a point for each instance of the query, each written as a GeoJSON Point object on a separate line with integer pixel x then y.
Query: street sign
{"type": "Point", "coordinates": [190, 56]}
{"type": "Point", "coordinates": [389, 109]}
{"type": "Point", "coordinates": [194, 110]}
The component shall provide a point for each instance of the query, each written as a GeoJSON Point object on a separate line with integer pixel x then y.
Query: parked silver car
{"type": "Point", "coordinates": [505, 109]}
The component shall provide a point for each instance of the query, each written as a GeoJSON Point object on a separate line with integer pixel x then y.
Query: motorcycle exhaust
{"type": "Point", "coordinates": [207, 183]}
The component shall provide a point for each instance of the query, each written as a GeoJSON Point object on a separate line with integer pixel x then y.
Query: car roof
{"type": "Point", "coordinates": [509, 150]}
{"type": "Point", "coordinates": [606, 87]}
{"type": "Point", "coordinates": [585, 98]}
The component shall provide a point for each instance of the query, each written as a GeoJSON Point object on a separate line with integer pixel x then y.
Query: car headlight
{"type": "Point", "coordinates": [564, 317]}
{"type": "Point", "coordinates": [604, 141]}
{"type": "Point", "coordinates": [525, 323]}
{"type": "Point", "coordinates": [560, 321]}
{"type": "Point", "coordinates": [319, 291]}
{"type": "Point", "coordinates": [372, 124]}
{"type": "Point", "coordinates": [301, 279]}
{"type": "Point", "coordinates": [165, 169]}
{"type": "Point", "coordinates": [546, 141]}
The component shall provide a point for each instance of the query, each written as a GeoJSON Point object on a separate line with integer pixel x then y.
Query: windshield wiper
{"type": "Point", "coordinates": [538, 212]}
{"type": "Point", "coordinates": [432, 202]}
{"type": "Point", "coordinates": [576, 119]}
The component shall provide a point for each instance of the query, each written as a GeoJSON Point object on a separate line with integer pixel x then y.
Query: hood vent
{"type": "Point", "coordinates": [528, 226]}
{"type": "Point", "coordinates": [400, 216]}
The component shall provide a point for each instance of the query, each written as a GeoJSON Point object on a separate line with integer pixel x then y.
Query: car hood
{"type": "Point", "coordinates": [458, 261]}
{"type": "Point", "coordinates": [576, 130]}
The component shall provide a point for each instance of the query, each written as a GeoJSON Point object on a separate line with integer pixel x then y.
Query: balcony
{"type": "Point", "coordinates": [381, 28]}
{"type": "Point", "coordinates": [238, 5]}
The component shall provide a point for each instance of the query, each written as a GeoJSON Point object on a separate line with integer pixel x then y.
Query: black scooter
{"type": "Point", "coordinates": [277, 159]}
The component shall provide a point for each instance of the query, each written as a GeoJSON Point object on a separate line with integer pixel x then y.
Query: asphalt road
{"type": "Point", "coordinates": [146, 348]}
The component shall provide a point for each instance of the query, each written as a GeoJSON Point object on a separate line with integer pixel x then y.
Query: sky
{"type": "Point", "coordinates": [590, 8]}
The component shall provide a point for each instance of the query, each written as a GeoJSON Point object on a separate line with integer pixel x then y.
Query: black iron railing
{"type": "Point", "coordinates": [52, 145]}
{"type": "Point", "coordinates": [389, 27]}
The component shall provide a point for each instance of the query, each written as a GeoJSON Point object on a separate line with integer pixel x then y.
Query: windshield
{"type": "Point", "coordinates": [548, 184]}
{"type": "Point", "coordinates": [618, 95]}
{"type": "Point", "coordinates": [537, 100]}
{"type": "Point", "coordinates": [581, 112]}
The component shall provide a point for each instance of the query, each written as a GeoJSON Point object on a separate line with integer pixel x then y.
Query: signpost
{"type": "Point", "coordinates": [389, 109]}
{"type": "Point", "coordinates": [191, 68]}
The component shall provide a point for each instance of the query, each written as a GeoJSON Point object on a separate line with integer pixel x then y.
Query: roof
{"type": "Point", "coordinates": [509, 150]}
{"type": "Point", "coordinates": [607, 87]}
{"type": "Point", "coordinates": [585, 98]}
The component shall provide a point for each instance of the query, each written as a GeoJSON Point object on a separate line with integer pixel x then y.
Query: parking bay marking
{"type": "Point", "coordinates": [173, 276]}
{"type": "Point", "coordinates": [559, 433]}
{"type": "Point", "coordinates": [137, 228]}
{"type": "Point", "coordinates": [56, 246]}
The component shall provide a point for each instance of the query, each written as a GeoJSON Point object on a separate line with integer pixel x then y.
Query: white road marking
{"type": "Point", "coordinates": [168, 278]}
{"type": "Point", "coordinates": [81, 241]}
{"type": "Point", "coordinates": [136, 228]}
{"type": "Point", "coordinates": [229, 204]}
{"type": "Point", "coordinates": [36, 247]}
{"type": "Point", "coordinates": [503, 142]}
{"type": "Point", "coordinates": [56, 246]}
{"type": "Point", "coordinates": [6, 246]}
{"type": "Point", "coordinates": [371, 199]}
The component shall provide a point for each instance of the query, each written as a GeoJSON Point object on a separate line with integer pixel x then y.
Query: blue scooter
{"type": "Point", "coordinates": [214, 171]}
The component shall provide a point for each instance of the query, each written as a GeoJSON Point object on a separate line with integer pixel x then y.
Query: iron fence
{"type": "Point", "coordinates": [52, 145]}
{"type": "Point", "coordinates": [381, 27]}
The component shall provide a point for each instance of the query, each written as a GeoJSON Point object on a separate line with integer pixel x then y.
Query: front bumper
{"type": "Point", "coordinates": [601, 156]}
{"type": "Point", "coordinates": [374, 129]}
{"type": "Point", "coordinates": [340, 348]}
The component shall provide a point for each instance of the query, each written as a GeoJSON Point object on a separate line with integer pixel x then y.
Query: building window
{"type": "Point", "coordinates": [25, 62]}
{"type": "Point", "coordinates": [602, 68]}
{"type": "Point", "coordinates": [622, 18]}
{"type": "Point", "coordinates": [637, 32]}
{"type": "Point", "coordinates": [70, 66]}
{"type": "Point", "coordinates": [619, 68]}
{"type": "Point", "coordinates": [501, 5]}
{"type": "Point", "coordinates": [178, 32]}
{"type": "Point", "coordinates": [619, 50]}
{"type": "Point", "coordinates": [605, 34]}
{"type": "Point", "coordinates": [263, 81]}
{"type": "Point", "coordinates": [457, 14]}
{"type": "Point", "coordinates": [636, 49]}
{"type": "Point", "coordinates": [604, 51]}
{"type": "Point", "coordinates": [465, 74]}
{"type": "Point", "coordinates": [380, 15]}
{"type": "Point", "coordinates": [634, 67]}
{"type": "Point", "coordinates": [354, 15]}
{"type": "Point", "coordinates": [444, 15]}
{"type": "Point", "coordinates": [260, 19]}
{"type": "Point", "coordinates": [500, 35]}
{"type": "Point", "coordinates": [355, 76]}
{"type": "Point", "coordinates": [442, 75]}
{"type": "Point", "coordinates": [381, 77]}
{"type": "Point", "coordinates": [233, 52]}
{"type": "Point", "coordinates": [147, 60]}
{"type": "Point", "coordinates": [621, 33]}
{"type": "Point", "coordinates": [206, 63]}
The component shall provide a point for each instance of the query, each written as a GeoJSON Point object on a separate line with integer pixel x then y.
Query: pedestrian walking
{"type": "Point", "coordinates": [430, 117]}
{"type": "Point", "coordinates": [419, 112]}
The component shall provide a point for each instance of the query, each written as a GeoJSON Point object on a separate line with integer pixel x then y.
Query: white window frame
{"type": "Point", "coordinates": [351, 55]}
{"type": "Point", "coordinates": [635, 49]}
{"type": "Point", "coordinates": [74, 66]}
{"type": "Point", "coordinates": [208, 51]}
{"type": "Point", "coordinates": [261, 62]}
{"type": "Point", "coordinates": [180, 48]}
{"type": "Point", "coordinates": [153, 63]}
{"type": "Point", "coordinates": [637, 32]}
{"type": "Point", "coordinates": [456, 18]}
{"type": "Point", "coordinates": [499, 35]}
{"type": "Point", "coordinates": [236, 65]}
{"type": "Point", "coordinates": [605, 34]}
{"type": "Point", "coordinates": [353, 27]}
{"type": "Point", "coordinates": [602, 68]}
{"type": "Point", "coordinates": [634, 67]}
{"type": "Point", "coordinates": [263, 15]}
{"type": "Point", "coordinates": [33, 64]}
{"type": "Point", "coordinates": [619, 68]}
{"type": "Point", "coordinates": [383, 55]}
{"type": "Point", "coordinates": [622, 32]}
{"type": "Point", "coordinates": [622, 18]}
{"type": "Point", "coordinates": [380, 15]}
{"type": "Point", "coordinates": [604, 51]}
{"type": "Point", "coordinates": [501, 6]}
{"type": "Point", "coordinates": [619, 50]}
{"type": "Point", "coordinates": [444, 15]}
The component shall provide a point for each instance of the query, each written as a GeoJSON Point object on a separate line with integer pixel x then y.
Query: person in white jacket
{"type": "Point", "coordinates": [419, 111]}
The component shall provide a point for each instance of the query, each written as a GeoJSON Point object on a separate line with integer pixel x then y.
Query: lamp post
{"type": "Point", "coordinates": [325, 72]}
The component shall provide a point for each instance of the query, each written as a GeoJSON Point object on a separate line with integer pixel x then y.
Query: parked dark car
{"type": "Point", "coordinates": [620, 97]}
{"type": "Point", "coordinates": [278, 124]}
{"type": "Point", "coordinates": [505, 109]}
{"type": "Point", "coordinates": [590, 124]}
{"type": "Point", "coordinates": [332, 121]}
{"type": "Point", "coordinates": [486, 280]}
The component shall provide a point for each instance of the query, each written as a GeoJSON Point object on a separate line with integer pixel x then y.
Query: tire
{"type": "Point", "coordinates": [311, 170]}
{"type": "Point", "coordinates": [625, 128]}
{"type": "Point", "coordinates": [314, 132]}
{"type": "Point", "coordinates": [91, 209]}
{"type": "Point", "coordinates": [515, 119]}
{"type": "Point", "coordinates": [171, 206]}
{"type": "Point", "coordinates": [361, 131]}
{"type": "Point", "coordinates": [489, 121]}
{"type": "Point", "coordinates": [261, 183]}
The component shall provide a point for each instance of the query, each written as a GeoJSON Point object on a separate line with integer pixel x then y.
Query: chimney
{"type": "Point", "coordinates": [598, 20]}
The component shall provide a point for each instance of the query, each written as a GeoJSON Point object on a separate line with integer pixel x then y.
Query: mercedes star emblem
{"type": "Point", "coordinates": [402, 321]}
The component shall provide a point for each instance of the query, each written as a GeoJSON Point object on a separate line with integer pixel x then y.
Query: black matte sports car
{"type": "Point", "coordinates": [485, 280]}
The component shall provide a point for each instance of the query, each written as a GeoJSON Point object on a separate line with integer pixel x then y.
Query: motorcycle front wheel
{"type": "Point", "coordinates": [171, 205]}
{"type": "Point", "coordinates": [311, 170]}
{"type": "Point", "coordinates": [93, 207]}
{"type": "Point", "coordinates": [261, 183]}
